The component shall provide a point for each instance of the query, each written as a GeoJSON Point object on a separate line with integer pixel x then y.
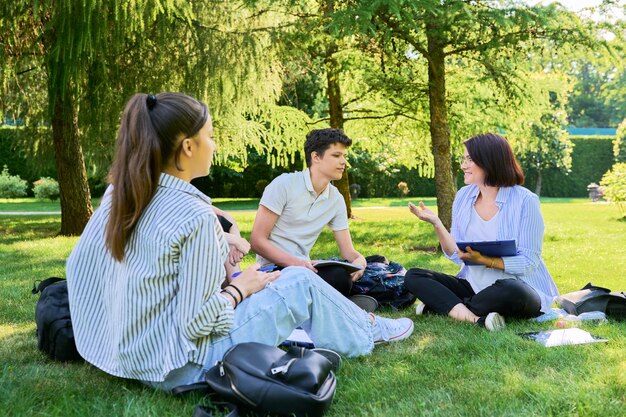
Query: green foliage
{"type": "Point", "coordinates": [224, 181]}
{"type": "Point", "coordinates": [591, 157]}
{"type": "Point", "coordinates": [27, 151]}
{"type": "Point", "coordinates": [11, 186]}
{"type": "Point", "coordinates": [598, 98]}
{"type": "Point", "coordinates": [260, 186]}
{"type": "Point", "coordinates": [223, 53]}
{"type": "Point", "coordinates": [614, 186]}
{"type": "Point", "coordinates": [378, 175]}
{"type": "Point", "coordinates": [619, 144]}
{"type": "Point", "coordinates": [547, 146]}
{"type": "Point", "coordinates": [46, 188]}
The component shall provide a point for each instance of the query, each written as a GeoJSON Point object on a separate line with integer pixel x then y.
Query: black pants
{"type": "Point", "coordinates": [440, 292]}
{"type": "Point", "coordinates": [338, 277]}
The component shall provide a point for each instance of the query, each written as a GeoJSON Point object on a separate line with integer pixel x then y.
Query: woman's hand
{"type": "Point", "coordinates": [241, 244]}
{"type": "Point", "coordinates": [238, 246]}
{"type": "Point", "coordinates": [234, 256]}
{"type": "Point", "coordinates": [424, 213]}
{"type": "Point", "coordinates": [357, 275]}
{"type": "Point", "coordinates": [468, 254]}
{"type": "Point", "coordinates": [252, 280]}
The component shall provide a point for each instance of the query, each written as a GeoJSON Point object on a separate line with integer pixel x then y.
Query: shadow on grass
{"type": "Point", "coordinates": [26, 256]}
{"type": "Point", "coordinates": [32, 384]}
{"type": "Point", "coordinates": [17, 229]}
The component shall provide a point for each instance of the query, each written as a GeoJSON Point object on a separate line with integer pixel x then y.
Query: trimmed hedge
{"type": "Point", "coordinates": [591, 158]}
{"type": "Point", "coordinates": [10, 156]}
{"type": "Point", "coordinates": [15, 157]}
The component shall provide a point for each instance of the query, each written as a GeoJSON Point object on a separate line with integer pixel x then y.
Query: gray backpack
{"type": "Point", "coordinates": [592, 298]}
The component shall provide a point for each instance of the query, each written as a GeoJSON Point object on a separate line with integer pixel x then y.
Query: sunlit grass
{"type": "Point", "coordinates": [443, 369]}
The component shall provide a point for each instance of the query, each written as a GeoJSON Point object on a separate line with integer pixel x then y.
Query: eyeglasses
{"type": "Point", "coordinates": [465, 160]}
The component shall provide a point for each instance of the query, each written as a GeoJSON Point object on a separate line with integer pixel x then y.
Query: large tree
{"type": "Point", "coordinates": [92, 56]}
{"type": "Point", "coordinates": [329, 77]}
{"type": "Point", "coordinates": [485, 36]}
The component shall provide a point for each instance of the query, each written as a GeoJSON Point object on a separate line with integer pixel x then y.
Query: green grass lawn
{"type": "Point", "coordinates": [444, 369]}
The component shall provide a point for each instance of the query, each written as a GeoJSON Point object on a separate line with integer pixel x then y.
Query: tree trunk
{"type": "Point", "coordinates": [439, 129]}
{"type": "Point", "coordinates": [336, 114]}
{"type": "Point", "coordinates": [538, 185]}
{"type": "Point", "coordinates": [74, 192]}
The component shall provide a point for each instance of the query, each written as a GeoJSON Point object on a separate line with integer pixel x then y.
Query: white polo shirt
{"type": "Point", "coordinates": [301, 214]}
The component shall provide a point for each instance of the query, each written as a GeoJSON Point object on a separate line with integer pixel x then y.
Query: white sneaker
{"type": "Point", "coordinates": [492, 322]}
{"type": "Point", "coordinates": [391, 330]}
{"type": "Point", "coordinates": [419, 309]}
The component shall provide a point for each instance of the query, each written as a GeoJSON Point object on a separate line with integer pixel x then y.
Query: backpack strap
{"type": "Point", "coordinates": [39, 286]}
{"type": "Point", "coordinates": [201, 387]}
{"type": "Point", "coordinates": [590, 286]}
{"type": "Point", "coordinates": [201, 411]}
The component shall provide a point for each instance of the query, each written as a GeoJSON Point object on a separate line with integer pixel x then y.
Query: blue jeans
{"type": "Point", "coordinates": [297, 298]}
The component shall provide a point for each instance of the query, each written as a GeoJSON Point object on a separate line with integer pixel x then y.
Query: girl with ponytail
{"type": "Point", "coordinates": [145, 279]}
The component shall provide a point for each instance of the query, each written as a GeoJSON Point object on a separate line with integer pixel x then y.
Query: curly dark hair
{"type": "Point", "coordinates": [319, 140]}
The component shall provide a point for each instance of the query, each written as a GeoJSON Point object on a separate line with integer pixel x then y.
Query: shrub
{"type": "Point", "coordinates": [11, 185]}
{"type": "Point", "coordinates": [355, 189]}
{"type": "Point", "coordinates": [46, 189]}
{"type": "Point", "coordinates": [614, 186]}
{"type": "Point", "coordinates": [403, 189]}
{"type": "Point", "coordinates": [591, 158]}
{"type": "Point", "coordinates": [260, 185]}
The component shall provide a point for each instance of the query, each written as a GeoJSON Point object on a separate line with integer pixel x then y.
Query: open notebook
{"type": "Point", "coordinates": [350, 267]}
{"type": "Point", "coordinates": [559, 337]}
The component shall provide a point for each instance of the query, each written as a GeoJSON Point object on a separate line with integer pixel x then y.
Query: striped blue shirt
{"type": "Point", "coordinates": [160, 307]}
{"type": "Point", "coordinates": [519, 219]}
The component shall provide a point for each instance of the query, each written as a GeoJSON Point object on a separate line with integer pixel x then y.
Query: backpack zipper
{"type": "Point", "coordinates": [283, 369]}
{"type": "Point", "coordinates": [238, 393]}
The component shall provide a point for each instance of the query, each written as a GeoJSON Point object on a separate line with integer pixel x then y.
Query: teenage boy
{"type": "Point", "coordinates": [296, 207]}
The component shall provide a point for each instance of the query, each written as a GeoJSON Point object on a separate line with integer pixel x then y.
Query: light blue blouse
{"type": "Point", "coordinates": [519, 219]}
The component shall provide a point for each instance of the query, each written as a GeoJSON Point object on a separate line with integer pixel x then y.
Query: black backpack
{"type": "Point", "coordinates": [384, 281]}
{"type": "Point", "coordinates": [55, 335]}
{"type": "Point", "coordinates": [267, 380]}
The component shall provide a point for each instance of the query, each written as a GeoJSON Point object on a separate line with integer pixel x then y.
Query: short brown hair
{"type": "Point", "coordinates": [494, 155]}
{"type": "Point", "coordinates": [319, 140]}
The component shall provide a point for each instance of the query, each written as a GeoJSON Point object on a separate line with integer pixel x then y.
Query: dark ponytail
{"type": "Point", "coordinates": [150, 134]}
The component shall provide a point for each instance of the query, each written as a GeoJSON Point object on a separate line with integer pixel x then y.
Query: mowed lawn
{"type": "Point", "coordinates": [444, 369]}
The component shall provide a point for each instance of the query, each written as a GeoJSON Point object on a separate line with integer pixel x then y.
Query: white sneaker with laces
{"type": "Point", "coordinates": [492, 322]}
{"type": "Point", "coordinates": [391, 330]}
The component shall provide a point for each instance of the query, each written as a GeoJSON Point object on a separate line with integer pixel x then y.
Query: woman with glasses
{"type": "Point", "coordinates": [493, 206]}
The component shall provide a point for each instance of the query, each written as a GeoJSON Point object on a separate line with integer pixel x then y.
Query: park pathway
{"type": "Point", "coordinates": [58, 213]}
